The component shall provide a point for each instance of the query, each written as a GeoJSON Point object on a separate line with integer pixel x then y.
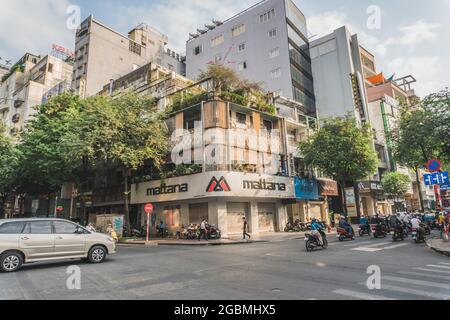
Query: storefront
{"type": "Point", "coordinates": [308, 203]}
{"type": "Point", "coordinates": [373, 199]}
{"type": "Point", "coordinates": [223, 198]}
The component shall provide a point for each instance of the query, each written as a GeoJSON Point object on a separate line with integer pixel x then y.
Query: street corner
{"type": "Point", "coordinates": [439, 246]}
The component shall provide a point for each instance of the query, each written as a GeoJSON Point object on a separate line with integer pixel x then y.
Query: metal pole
{"type": "Point", "coordinates": [148, 224]}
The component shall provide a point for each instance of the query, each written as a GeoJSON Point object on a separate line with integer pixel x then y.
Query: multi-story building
{"type": "Point", "coordinates": [267, 43]}
{"type": "Point", "coordinates": [346, 82]}
{"type": "Point", "coordinates": [231, 161]}
{"type": "Point", "coordinates": [26, 85]}
{"type": "Point", "coordinates": [102, 54]}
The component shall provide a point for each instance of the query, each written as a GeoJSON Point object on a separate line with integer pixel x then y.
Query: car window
{"type": "Point", "coordinates": [62, 227]}
{"type": "Point", "coordinates": [41, 227]}
{"type": "Point", "coordinates": [12, 227]}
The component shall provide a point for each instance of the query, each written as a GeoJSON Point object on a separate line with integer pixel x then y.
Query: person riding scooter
{"type": "Point", "coordinates": [417, 224]}
{"type": "Point", "coordinates": [345, 225]}
{"type": "Point", "coordinates": [316, 230]}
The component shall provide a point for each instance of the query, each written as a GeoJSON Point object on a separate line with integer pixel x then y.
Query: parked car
{"type": "Point", "coordinates": [24, 241]}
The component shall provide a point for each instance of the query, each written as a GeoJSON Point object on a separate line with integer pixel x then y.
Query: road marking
{"type": "Point", "coordinates": [372, 248]}
{"type": "Point", "coordinates": [444, 263]}
{"type": "Point", "coordinates": [357, 244]}
{"type": "Point", "coordinates": [361, 295]}
{"type": "Point", "coordinates": [396, 246]}
{"type": "Point", "coordinates": [424, 275]}
{"type": "Point", "coordinates": [432, 270]}
{"type": "Point", "coordinates": [416, 292]}
{"type": "Point", "coordinates": [417, 282]}
{"type": "Point", "coordinates": [435, 266]}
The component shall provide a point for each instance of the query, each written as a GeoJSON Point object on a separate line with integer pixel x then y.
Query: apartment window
{"type": "Point", "coordinates": [171, 68]}
{"type": "Point", "coordinates": [217, 41]}
{"type": "Point", "coordinates": [242, 65]}
{"type": "Point", "coordinates": [275, 73]}
{"type": "Point", "coordinates": [273, 33]}
{"type": "Point", "coordinates": [135, 48]}
{"type": "Point", "coordinates": [266, 16]}
{"type": "Point", "coordinates": [241, 119]}
{"type": "Point", "coordinates": [50, 68]}
{"type": "Point", "coordinates": [198, 50]}
{"type": "Point", "coordinates": [241, 47]}
{"type": "Point", "coordinates": [274, 53]}
{"type": "Point", "coordinates": [238, 30]}
{"type": "Point", "coordinates": [267, 125]}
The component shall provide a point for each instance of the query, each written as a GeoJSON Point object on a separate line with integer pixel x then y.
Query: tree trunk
{"type": "Point", "coordinates": [357, 200]}
{"type": "Point", "coordinates": [127, 207]}
{"type": "Point", "coordinates": [343, 199]}
{"type": "Point", "coordinates": [419, 188]}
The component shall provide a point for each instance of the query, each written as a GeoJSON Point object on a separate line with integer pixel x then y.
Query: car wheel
{"type": "Point", "coordinates": [11, 262]}
{"type": "Point", "coordinates": [97, 254]}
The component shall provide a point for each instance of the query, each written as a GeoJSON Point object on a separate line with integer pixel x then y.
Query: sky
{"type": "Point", "coordinates": [412, 36]}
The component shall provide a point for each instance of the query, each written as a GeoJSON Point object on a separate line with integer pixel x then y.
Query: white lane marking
{"type": "Point", "coordinates": [416, 292]}
{"type": "Point", "coordinates": [272, 255]}
{"type": "Point", "coordinates": [444, 263]}
{"type": "Point", "coordinates": [361, 295]}
{"type": "Point", "coordinates": [435, 266]}
{"type": "Point", "coordinates": [432, 270]}
{"type": "Point", "coordinates": [396, 246]}
{"type": "Point", "coordinates": [417, 282]}
{"type": "Point", "coordinates": [366, 249]}
{"type": "Point", "coordinates": [372, 248]}
{"type": "Point", "coordinates": [423, 274]}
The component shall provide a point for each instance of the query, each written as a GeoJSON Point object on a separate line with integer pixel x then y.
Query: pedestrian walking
{"type": "Point", "coordinates": [203, 231]}
{"type": "Point", "coordinates": [245, 231]}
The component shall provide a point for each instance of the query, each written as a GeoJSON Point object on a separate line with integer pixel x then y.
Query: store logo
{"type": "Point", "coordinates": [262, 184]}
{"type": "Point", "coordinates": [218, 185]}
{"type": "Point", "coordinates": [165, 189]}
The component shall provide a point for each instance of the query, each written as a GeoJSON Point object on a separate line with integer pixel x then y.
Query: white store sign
{"type": "Point", "coordinates": [213, 184]}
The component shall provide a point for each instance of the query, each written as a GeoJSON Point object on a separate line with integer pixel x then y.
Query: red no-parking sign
{"type": "Point", "coordinates": [148, 208]}
{"type": "Point", "coordinates": [434, 165]}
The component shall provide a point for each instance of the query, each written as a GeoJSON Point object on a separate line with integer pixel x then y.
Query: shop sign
{"type": "Point", "coordinates": [350, 196]}
{"type": "Point", "coordinates": [306, 189]}
{"type": "Point", "coordinates": [328, 187]}
{"type": "Point", "coordinates": [214, 184]}
{"type": "Point", "coordinates": [370, 186]}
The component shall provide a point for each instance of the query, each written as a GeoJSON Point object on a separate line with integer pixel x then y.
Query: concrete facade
{"type": "Point", "coordinates": [102, 54]}
{"type": "Point", "coordinates": [266, 43]}
{"type": "Point", "coordinates": [25, 88]}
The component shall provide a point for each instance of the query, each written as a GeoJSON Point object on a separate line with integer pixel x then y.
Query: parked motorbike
{"type": "Point", "coordinates": [343, 234]}
{"type": "Point", "coordinates": [213, 232]}
{"type": "Point", "coordinates": [312, 241]}
{"type": "Point", "coordinates": [379, 230]}
{"type": "Point", "coordinates": [364, 229]}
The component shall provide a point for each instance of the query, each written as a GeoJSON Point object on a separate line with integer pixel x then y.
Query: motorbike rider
{"type": "Point", "coordinates": [90, 227]}
{"type": "Point", "coordinates": [316, 228]}
{"type": "Point", "coordinates": [416, 224]}
{"type": "Point", "coordinates": [345, 225]}
{"type": "Point", "coordinates": [364, 222]}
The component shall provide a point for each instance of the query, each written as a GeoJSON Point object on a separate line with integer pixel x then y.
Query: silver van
{"type": "Point", "coordinates": [33, 240]}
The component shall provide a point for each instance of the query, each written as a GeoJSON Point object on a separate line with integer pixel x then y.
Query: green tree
{"type": "Point", "coordinates": [9, 158]}
{"type": "Point", "coordinates": [395, 184]}
{"type": "Point", "coordinates": [225, 79]}
{"type": "Point", "coordinates": [342, 150]}
{"type": "Point", "coordinates": [422, 133]}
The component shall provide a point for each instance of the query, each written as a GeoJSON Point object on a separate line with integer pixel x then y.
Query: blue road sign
{"type": "Point", "coordinates": [438, 178]}
{"type": "Point", "coordinates": [445, 187]}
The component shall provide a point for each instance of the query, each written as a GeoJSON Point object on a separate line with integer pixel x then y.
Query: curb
{"type": "Point", "coordinates": [202, 244]}
{"type": "Point", "coordinates": [444, 252]}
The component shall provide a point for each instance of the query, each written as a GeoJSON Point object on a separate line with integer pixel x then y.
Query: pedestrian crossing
{"type": "Point", "coordinates": [429, 282]}
{"type": "Point", "coordinates": [375, 247]}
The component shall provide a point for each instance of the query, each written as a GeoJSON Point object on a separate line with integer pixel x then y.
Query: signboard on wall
{"type": "Point", "coordinates": [328, 187]}
{"type": "Point", "coordinates": [306, 189]}
{"type": "Point", "coordinates": [350, 196]}
{"type": "Point", "coordinates": [213, 184]}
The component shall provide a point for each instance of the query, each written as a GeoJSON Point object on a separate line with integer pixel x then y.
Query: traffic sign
{"type": "Point", "coordinates": [445, 187]}
{"type": "Point", "coordinates": [148, 208]}
{"type": "Point", "coordinates": [434, 165]}
{"type": "Point", "coordinates": [438, 178]}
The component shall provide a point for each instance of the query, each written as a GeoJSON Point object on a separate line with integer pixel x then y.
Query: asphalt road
{"type": "Point", "coordinates": [274, 270]}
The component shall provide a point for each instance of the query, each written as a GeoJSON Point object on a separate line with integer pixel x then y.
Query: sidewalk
{"type": "Point", "coordinates": [440, 246]}
{"type": "Point", "coordinates": [260, 238]}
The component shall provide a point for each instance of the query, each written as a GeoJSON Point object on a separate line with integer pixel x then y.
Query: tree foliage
{"type": "Point", "coordinates": [423, 131]}
{"type": "Point", "coordinates": [395, 184]}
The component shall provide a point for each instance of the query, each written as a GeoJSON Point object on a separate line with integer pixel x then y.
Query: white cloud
{"type": "Point", "coordinates": [418, 33]}
{"type": "Point", "coordinates": [426, 69]}
{"type": "Point", "coordinates": [33, 26]}
{"type": "Point", "coordinates": [325, 23]}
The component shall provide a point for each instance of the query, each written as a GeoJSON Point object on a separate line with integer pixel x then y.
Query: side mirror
{"type": "Point", "coordinates": [79, 231]}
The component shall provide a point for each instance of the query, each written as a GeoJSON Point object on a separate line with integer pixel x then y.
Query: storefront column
{"type": "Point", "coordinates": [184, 214]}
{"type": "Point", "coordinates": [254, 217]}
{"type": "Point", "coordinates": [222, 214]}
{"type": "Point", "coordinates": [281, 216]}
